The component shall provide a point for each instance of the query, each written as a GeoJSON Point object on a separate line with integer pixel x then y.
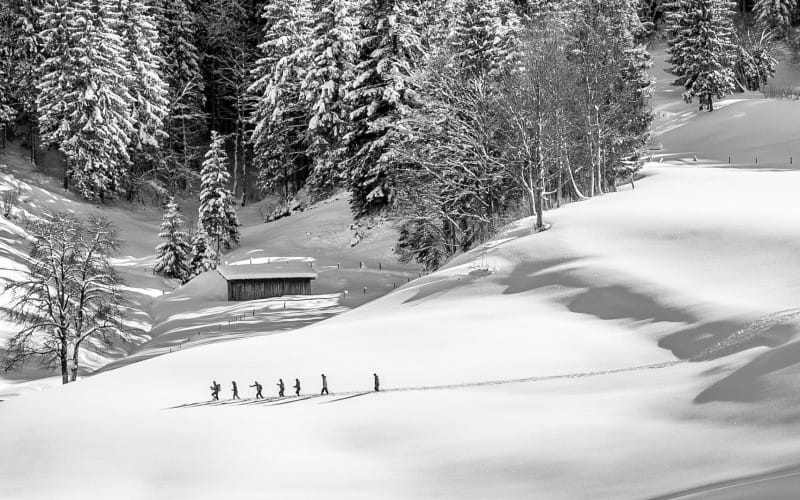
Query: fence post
{"type": "Point", "coordinates": [365, 290]}
{"type": "Point", "coordinates": [380, 266]}
{"type": "Point", "coordinates": [756, 159]}
{"type": "Point", "coordinates": [394, 285]}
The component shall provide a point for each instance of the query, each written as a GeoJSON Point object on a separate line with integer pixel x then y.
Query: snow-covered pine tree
{"type": "Point", "coordinates": [433, 17]}
{"type": "Point", "coordinates": [7, 21]}
{"type": "Point", "coordinates": [204, 257]}
{"type": "Point", "coordinates": [389, 48]}
{"type": "Point", "coordinates": [776, 14]}
{"type": "Point", "coordinates": [22, 56]}
{"type": "Point", "coordinates": [280, 114]}
{"type": "Point", "coordinates": [147, 88]}
{"type": "Point", "coordinates": [186, 121]}
{"type": "Point", "coordinates": [216, 212]}
{"type": "Point", "coordinates": [701, 48]}
{"type": "Point", "coordinates": [174, 253]}
{"type": "Point", "coordinates": [484, 36]}
{"type": "Point", "coordinates": [329, 61]}
{"type": "Point", "coordinates": [7, 113]}
{"type": "Point", "coordinates": [83, 102]}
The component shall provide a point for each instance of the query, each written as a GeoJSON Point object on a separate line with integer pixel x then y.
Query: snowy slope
{"type": "Point", "coordinates": [40, 194]}
{"type": "Point", "coordinates": [540, 366]}
{"type": "Point", "coordinates": [158, 307]}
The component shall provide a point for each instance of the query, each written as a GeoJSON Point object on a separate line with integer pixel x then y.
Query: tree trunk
{"type": "Point", "coordinates": [710, 102]}
{"type": "Point", "coordinates": [244, 172]}
{"type": "Point", "coordinates": [572, 177]}
{"type": "Point", "coordinates": [185, 147]}
{"type": "Point", "coordinates": [74, 367]}
{"type": "Point", "coordinates": [598, 150]}
{"type": "Point", "coordinates": [63, 356]}
{"type": "Point", "coordinates": [560, 180]}
{"type": "Point", "coordinates": [539, 163]}
{"type": "Point", "coordinates": [32, 138]}
{"type": "Point", "coordinates": [66, 172]}
{"type": "Point", "coordinates": [236, 163]}
{"type": "Point", "coordinates": [591, 169]}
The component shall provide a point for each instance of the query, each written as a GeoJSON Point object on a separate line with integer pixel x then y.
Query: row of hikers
{"type": "Point", "coordinates": [216, 388]}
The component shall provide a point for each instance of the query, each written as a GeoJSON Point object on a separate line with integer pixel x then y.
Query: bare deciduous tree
{"type": "Point", "coordinates": [70, 293]}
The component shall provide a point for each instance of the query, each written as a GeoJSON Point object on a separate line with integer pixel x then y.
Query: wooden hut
{"type": "Point", "coordinates": [262, 281]}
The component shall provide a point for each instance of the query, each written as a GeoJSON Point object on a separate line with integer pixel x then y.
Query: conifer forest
{"type": "Point", "coordinates": [449, 117]}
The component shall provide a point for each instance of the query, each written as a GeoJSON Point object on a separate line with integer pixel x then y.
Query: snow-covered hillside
{"type": "Point", "coordinates": [158, 307]}
{"type": "Point", "coordinates": [549, 365]}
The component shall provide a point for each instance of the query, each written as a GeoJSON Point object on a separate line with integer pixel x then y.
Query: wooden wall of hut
{"type": "Point", "coordinates": [266, 288]}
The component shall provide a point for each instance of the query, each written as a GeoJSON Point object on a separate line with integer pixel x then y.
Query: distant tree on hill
{"type": "Point", "coordinates": [69, 294]}
{"type": "Point", "coordinates": [173, 254]}
{"type": "Point", "coordinates": [702, 50]}
{"type": "Point", "coordinates": [216, 213]}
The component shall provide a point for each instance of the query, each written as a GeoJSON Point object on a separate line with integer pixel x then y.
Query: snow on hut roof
{"type": "Point", "coordinates": [277, 270]}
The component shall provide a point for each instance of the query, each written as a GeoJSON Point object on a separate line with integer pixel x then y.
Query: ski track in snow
{"type": "Point", "coordinates": [744, 334]}
{"type": "Point", "coordinates": [444, 387]}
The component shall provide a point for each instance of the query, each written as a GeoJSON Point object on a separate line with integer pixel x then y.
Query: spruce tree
{"type": "Point", "coordinates": [204, 257]}
{"type": "Point", "coordinates": [147, 88]}
{"type": "Point", "coordinates": [329, 62]}
{"type": "Point", "coordinates": [173, 254]}
{"type": "Point", "coordinates": [83, 101]}
{"type": "Point", "coordinates": [279, 115]}
{"type": "Point", "coordinates": [7, 21]}
{"type": "Point", "coordinates": [216, 212]}
{"type": "Point", "coordinates": [702, 51]}
{"type": "Point", "coordinates": [776, 14]}
{"type": "Point", "coordinates": [22, 56]}
{"type": "Point", "coordinates": [389, 48]}
{"type": "Point", "coordinates": [484, 36]}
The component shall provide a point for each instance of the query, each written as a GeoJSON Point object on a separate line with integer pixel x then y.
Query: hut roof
{"type": "Point", "coordinates": [279, 270]}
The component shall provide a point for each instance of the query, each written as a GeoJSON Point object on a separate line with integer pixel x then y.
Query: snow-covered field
{"type": "Point", "coordinates": [553, 365]}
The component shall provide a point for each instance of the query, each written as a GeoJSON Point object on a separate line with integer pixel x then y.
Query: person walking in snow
{"type": "Point", "coordinates": [235, 390]}
{"type": "Point", "coordinates": [214, 390]}
{"type": "Point", "coordinates": [258, 390]}
{"type": "Point", "coordinates": [377, 382]}
{"type": "Point", "coordinates": [281, 388]}
{"type": "Point", "coordinates": [297, 387]}
{"type": "Point", "coordinates": [324, 385]}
